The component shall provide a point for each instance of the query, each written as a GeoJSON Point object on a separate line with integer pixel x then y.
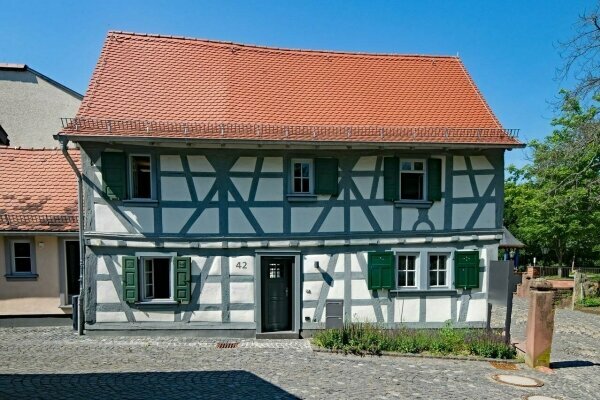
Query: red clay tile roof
{"type": "Point", "coordinates": [38, 191]}
{"type": "Point", "coordinates": [262, 93]}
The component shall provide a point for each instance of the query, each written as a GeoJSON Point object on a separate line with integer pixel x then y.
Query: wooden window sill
{"type": "Point", "coordinates": [141, 202]}
{"type": "Point", "coordinates": [419, 292]}
{"type": "Point", "coordinates": [413, 204]}
{"type": "Point", "coordinates": [156, 303]}
{"type": "Point", "coordinates": [21, 277]}
{"type": "Point", "coordinates": [301, 197]}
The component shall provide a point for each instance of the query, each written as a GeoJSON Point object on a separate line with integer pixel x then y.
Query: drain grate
{"type": "Point", "coordinates": [227, 345]}
{"type": "Point", "coordinates": [504, 366]}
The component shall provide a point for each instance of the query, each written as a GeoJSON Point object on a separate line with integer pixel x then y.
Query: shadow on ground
{"type": "Point", "coordinates": [140, 385]}
{"type": "Point", "coordinates": [572, 364]}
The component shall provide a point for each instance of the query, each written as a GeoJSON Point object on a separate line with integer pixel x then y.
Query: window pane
{"type": "Point", "coordinates": [418, 166]}
{"type": "Point", "coordinates": [410, 279]}
{"type": "Point", "coordinates": [401, 262]}
{"type": "Point", "coordinates": [433, 278]}
{"type": "Point", "coordinates": [402, 278]}
{"type": "Point", "coordinates": [432, 262]}
{"type": "Point", "coordinates": [411, 263]}
{"type": "Point", "coordinates": [441, 262]}
{"type": "Point", "coordinates": [149, 293]}
{"type": "Point", "coordinates": [297, 170]}
{"type": "Point", "coordinates": [274, 272]}
{"type": "Point", "coordinates": [406, 165]}
{"type": "Point", "coordinates": [297, 185]}
{"type": "Point", "coordinates": [411, 186]}
{"type": "Point", "coordinates": [140, 166]}
{"type": "Point", "coordinates": [22, 249]}
{"type": "Point", "coordinates": [305, 170]}
{"type": "Point", "coordinates": [23, 264]}
{"type": "Point", "coordinates": [305, 188]}
{"type": "Point", "coordinates": [162, 278]}
{"type": "Point", "coordinates": [442, 278]}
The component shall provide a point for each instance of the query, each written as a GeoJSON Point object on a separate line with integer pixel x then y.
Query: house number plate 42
{"type": "Point", "coordinates": [242, 265]}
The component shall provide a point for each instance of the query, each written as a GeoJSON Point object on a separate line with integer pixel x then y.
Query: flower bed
{"type": "Point", "coordinates": [365, 338]}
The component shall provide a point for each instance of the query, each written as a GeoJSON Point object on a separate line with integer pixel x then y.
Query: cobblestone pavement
{"type": "Point", "coordinates": [47, 363]}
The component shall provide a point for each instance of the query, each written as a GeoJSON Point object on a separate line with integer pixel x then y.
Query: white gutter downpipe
{"type": "Point", "coordinates": [80, 313]}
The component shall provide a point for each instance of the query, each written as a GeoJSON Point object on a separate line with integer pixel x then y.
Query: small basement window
{"type": "Point", "coordinates": [141, 177]}
{"type": "Point", "coordinates": [412, 180]}
{"type": "Point", "coordinates": [156, 279]}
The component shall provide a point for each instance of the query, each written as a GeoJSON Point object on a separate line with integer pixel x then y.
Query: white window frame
{"type": "Point", "coordinates": [446, 269]}
{"type": "Point", "coordinates": [417, 257]}
{"type": "Point", "coordinates": [130, 174]}
{"type": "Point", "coordinates": [311, 175]}
{"type": "Point", "coordinates": [143, 282]}
{"type": "Point", "coordinates": [413, 171]}
{"type": "Point", "coordinates": [13, 257]}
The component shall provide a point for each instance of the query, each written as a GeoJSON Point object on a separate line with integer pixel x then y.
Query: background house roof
{"type": "Point", "coordinates": [509, 241]}
{"type": "Point", "coordinates": [38, 191]}
{"type": "Point", "coordinates": [231, 89]}
{"type": "Point", "coordinates": [31, 105]}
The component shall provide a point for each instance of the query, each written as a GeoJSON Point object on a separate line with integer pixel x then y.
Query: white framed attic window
{"type": "Point", "coordinates": [140, 177]}
{"type": "Point", "coordinates": [156, 279]}
{"type": "Point", "coordinates": [412, 180]}
{"type": "Point", "coordinates": [302, 176]}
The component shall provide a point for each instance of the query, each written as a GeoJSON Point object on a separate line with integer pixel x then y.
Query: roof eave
{"type": "Point", "coordinates": [154, 139]}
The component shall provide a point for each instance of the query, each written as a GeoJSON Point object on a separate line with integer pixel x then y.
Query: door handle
{"type": "Point", "coordinates": [286, 292]}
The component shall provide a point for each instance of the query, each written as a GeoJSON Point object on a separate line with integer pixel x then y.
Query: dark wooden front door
{"type": "Point", "coordinates": [72, 261]}
{"type": "Point", "coordinates": [277, 295]}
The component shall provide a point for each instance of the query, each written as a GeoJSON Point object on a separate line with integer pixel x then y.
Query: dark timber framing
{"type": "Point", "coordinates": [360, 193]}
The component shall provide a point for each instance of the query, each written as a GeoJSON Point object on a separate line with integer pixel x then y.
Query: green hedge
{"type": "Point", "coordinates": [365, 338]}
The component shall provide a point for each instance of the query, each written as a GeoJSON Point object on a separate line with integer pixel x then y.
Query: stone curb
{"type": "Point", "coordinates": [316, 349]}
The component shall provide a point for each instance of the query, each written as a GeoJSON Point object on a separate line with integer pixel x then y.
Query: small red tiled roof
{"type": "Point", "coordinates": [38, 191]}
{"type": "Point", "coordinates": [256, 91]}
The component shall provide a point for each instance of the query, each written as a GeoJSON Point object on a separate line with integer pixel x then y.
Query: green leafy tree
{"type": "Point", "coordinates": [554, 202]}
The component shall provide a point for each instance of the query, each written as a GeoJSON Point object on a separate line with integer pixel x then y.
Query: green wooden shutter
{"type": "Point", "coordinates": [114, 175]}
{"type": "Point", "coordinates": [130, 279]}
{"type": "Point", "coordinates": [466, 269]}
{"type": "Point", "coordinates": [182, 279]}
{"type": "Point", "coordinates": [381, 270]}
{"type": "Point", "coordinates": [326, 176]}
{"type": "Point", "coordinates": [434, 179]}
{"type": "Point", "coordinates": [391, 178]}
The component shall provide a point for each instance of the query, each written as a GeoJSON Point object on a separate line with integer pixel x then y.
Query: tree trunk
{"type": "Point", "coordinates": [562, 271]}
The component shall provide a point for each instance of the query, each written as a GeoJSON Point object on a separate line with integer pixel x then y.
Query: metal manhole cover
{"type": "Point", "coordinates": [504, 366]}
{"type": "Point", "coordinates": [539, 397]}
{"type": "Point", "coordinates": [517, 380]}
{"type": "Point", "coordinates": [227, 345]}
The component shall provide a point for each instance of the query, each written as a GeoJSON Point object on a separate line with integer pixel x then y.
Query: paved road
{"type": "Point", "coordinates": [48, 363]}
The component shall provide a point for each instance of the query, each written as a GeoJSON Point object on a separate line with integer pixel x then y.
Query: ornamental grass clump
{"type": "Point", "coordinates": [367, 338]}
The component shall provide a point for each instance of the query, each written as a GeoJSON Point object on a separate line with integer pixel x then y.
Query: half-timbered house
{"type": "Point", "coordinates": [246, 190]}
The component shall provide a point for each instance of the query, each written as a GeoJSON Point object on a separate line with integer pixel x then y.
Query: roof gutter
{"type": "Point", "coordinates": [82, 297]}
{"type": "Point", "coordinates": [223, 142]}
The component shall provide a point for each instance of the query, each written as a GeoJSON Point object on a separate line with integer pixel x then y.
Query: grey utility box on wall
{"type": "Point", "coordinates": [334, 314]}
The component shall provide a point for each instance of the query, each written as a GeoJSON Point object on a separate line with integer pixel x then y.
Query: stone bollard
{"type": "Point", "coordinates": [523, 289]}
{"type": "Point", "coordinates": [578, 292]}
{"type": "Point", "coordinates": [540, 324]}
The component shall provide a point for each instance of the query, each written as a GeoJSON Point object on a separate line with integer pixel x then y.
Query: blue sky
{"type": "Point", "coordinates": [509, 47]}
